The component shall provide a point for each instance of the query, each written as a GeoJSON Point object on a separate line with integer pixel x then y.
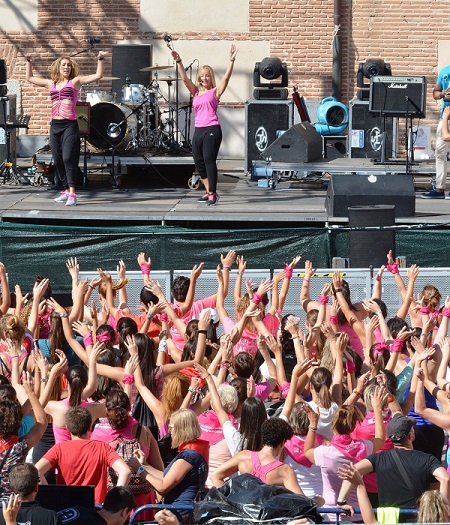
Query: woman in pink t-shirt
{"type": "Point", "coordinates": [208, 134]}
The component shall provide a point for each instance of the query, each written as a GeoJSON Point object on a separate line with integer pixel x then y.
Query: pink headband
{"type": "Point", "coordinates": [104, 337]}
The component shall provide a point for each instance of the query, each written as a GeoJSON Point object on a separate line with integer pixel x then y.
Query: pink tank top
{"type": "Point", "coordinates": [261, 471]}
{"type": "Point", "coordinates": [61, 433]}
{"type": "Point", "coordinates": [205, 107]}
{"type": "Point", "coordinates": [64, 101]}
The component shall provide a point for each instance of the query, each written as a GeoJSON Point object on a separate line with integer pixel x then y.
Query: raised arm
{"type": "Point", "coordinates": [220, 89]}
{"type": "Point", "coordinates": [242, 266]}
{"type": "Point", "coordinates": [412, 275]}
{"type": "Point", "coordinates": [89, 79]}
{"type": "Point", "coordinates": [183, 75]}
{"type": "Point", "coordinates": [305, 292]}
{"type": "Point", "coordinates": [6, 293]}
{"type": "Point", "coordinates": [37, 81]}
{"type": "Point", "coordinates": [289, 269]}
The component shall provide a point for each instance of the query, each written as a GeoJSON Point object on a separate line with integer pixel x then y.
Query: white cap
{"type": "Point", "coordinates": [214, 315]}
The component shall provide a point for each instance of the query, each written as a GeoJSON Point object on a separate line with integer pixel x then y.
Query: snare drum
{"type": "Point", "coordinates": [95, 96]}
{"type": "Point", "coordinates": [105, 131]}
{"type": "Point", "coordinates": [133, 94]}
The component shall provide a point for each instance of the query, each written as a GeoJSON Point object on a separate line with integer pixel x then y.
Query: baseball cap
{"type": "Point", "coordinates": [399, 427]}
{"type": "Point", "coordinates": [214, 315]}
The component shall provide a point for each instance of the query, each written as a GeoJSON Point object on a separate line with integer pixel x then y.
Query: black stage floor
{"type": "Point", "coordinates": [160, 195]}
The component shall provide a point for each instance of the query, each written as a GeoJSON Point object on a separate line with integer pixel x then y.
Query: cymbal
{"type": "Point", "coordinates": [168, 79]}
{"type": "Point", "coordinates": [154, 68]}
{"type": "Point", "coordinates": [110, 78]}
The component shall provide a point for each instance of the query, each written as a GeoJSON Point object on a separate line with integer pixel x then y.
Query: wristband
{"type": "Point", "coordinates": [356, 392]}
{"type": "Point", "coordinates": [424, 310]}
{"type": "Point", "coordinates": [226, 267]}
{"type": "Point", "coordinates": [305, 280]}
{"type": "Point", "coordinates": [323, 299]}
{"type": "Point", "coordinates": [162, 347]}
{"type": "Point", "coordinates": [128, 379]}
{"type": "Point", "coordinates": [445, 312]}
{"type": "Point", "coordinates": [289, 271]}
{"type": "Point", "coordinates": [145, 268]}
{"type": "Point", "coordinates": [294, 337]}
{"type": "Point", "coordinates": [178, 61]}
{"type": "Point", "coordinates": [15, 357]}
{"type": "Point", "coordinates": [391, 399]}
{"type": "Point", "coordinates": [43, 380]}
{"type": "Point", "coordinates": [140, 470]}
{"type": "Point", "coordinates": [164, 318]}
{"type": "Point", "coordinates": [341, 503]}
{"type": "Point", "coordinates": [100, 58]}
{"type": "Point", "coordinates": [425, 335]}
{"type": "Point", "coordinates": [232, 59]}
{"type": "Point", "coordinates": [150, 317]}
{"type": "Point", "coordinates": [63, 315]}
{"type": "Point", "coordinates": [225, 364]}
{"type": "Point", "coordinates": [397, 346]}
{"type": "Point", "coordinates": [90, 286]}
{"type": "Point", "coordinates": [334, 319]}
{"type": "Point", "coordinates": [350, 367]}
{"type": "Point", "coordinates": [192, 390]}
{"type": "Point", "coordinates": [202, 331]}
{"type": "Point", "coordinates": [88, 340]}
{"type": "Point", "coordinates": [314, 429]}
{"type": "Point", "coordinates": [337, 290]}
{"type": "Point", "coordinates": [393, 268]}
{"type": "Point", "coordinates": [257, 298]}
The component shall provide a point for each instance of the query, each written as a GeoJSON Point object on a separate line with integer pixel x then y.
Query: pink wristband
{"type": "Point", "coordinates": [145, 268]}
{"type": "Point", "coordinates": [163, 318]}
{"type": "Point", "coordinates": [333, 319]}
{"type": "Point", "coordinates": [305, 280]}
{"type": "Point", "coordinates": [323, 299]}
{"type": "Point", "coordinates": [87, 340]}
{"type": "Point", "coordinates": [289, 271]}
{"type": "Point", "coordinates": [128, 379]}
{"type": "Point", "coordinates": [350, 367]}
{"type": "Point", "coordinates": [393, 268]}
{"type": "Point", "coordinates": [396, 346]}
{"type": "Point", "coordinates": [446, 312]}
{"type": "Point", "coordinates": [226, 267]}
{"type": "Point", "coordinates": [425, 310]}
{"type": "Point", "coordinates": [257, 298]}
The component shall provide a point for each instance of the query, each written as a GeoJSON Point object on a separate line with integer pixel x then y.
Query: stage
{"type": "Point", "coordinates": [156, 192]}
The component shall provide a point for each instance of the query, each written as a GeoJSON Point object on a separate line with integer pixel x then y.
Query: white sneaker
{"type": "Point", "coordinates": [62, 197]}
{"type": "Point", "coordinates": [71, 200]}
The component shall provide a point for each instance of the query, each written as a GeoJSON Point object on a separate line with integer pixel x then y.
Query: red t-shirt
{"type": "Point", "coordinates": [83, 462]}
{"type": "Point", "coordinates": [153, 329]}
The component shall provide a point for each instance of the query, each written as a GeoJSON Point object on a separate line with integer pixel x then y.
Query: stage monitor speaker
{"type": "Point", "coordinates": [264, 121]}
{"type": "Point", "coordinates": [365, 133]}
{"type": "Point", "coordinates": [369, 247]}
{"type": "Point", "coordinates": [300, 143]}
{"type": "Point", "coordinates": [345, 190]}
{"type": "Point", "coordinates": [398, 96]}
{"type": "Point", "coordinates": [127, 60]}
{"type": "Point", "coordinates": [334, 147]}
{"type": "Point", "coordinates": [11, 111]}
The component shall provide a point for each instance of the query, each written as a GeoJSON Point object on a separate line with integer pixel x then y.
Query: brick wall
{"type": "Point", "coordinates": [405, 34]}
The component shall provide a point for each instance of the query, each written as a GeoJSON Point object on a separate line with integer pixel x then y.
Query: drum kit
{"type": "Point", "coordinates": [142, 119]}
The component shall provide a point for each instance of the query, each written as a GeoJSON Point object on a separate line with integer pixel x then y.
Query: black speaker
{"type": "Point", "coordinates": [10, 108]}
{"type": "Point", "coordinates": [3, 75]}
{"type": "Point", "coordinates": [300, 143]}
{"type": "Point", "coordinates": [398, 96]}
{"type": "Point", "coordinates": [365, 133]}
{"type": "Point", "coordinates": [369, 247]}
{"type": "Point", "coordinates": [334, 147]}
{"type": "Point", "coordinates": [345, 190]}
{"type": "Point", "coordinates": [264, 119]}
{"type": "Point", "coordinates": [127, 60]}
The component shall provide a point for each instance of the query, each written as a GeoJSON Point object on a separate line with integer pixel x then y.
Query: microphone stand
{"type": "Point", "coordinates": [90, 48]}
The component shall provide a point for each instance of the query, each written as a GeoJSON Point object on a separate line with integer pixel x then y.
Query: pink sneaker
{"type": "Point", "coordinates": [63, 196]}
{"type": "Point", "coordinates": [71, 200]}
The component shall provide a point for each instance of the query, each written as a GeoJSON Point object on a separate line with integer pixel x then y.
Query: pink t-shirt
{"type": "Point", "coordinates": [355, 341]}
{"type": "Point", "coordinates": [366, 430]}
{"type": "Point", "coordinates": [329, 459]}
{"type": "Point", "coordinates": [205, 107]}
{"type": "Point", "coordinates": [248, 341]}
{"type": "Point", "coordinates": [193, 313]}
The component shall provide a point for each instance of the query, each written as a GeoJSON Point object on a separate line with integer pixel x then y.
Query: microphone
{"type": "Point", "coordinates": [113, 130]}
{"type": "Point", "coordinates": [93, 40]}
{"type": "Point", "coordinates": [168, 40]}
{"type": "Point", "coordinates": [190, 65]}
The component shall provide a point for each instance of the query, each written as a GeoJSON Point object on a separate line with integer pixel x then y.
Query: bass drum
{"type": "Point", "coordinates": [112, 126]}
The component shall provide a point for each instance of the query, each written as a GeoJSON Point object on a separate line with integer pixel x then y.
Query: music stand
{"type": "Point", "coordinates": [8, 169]}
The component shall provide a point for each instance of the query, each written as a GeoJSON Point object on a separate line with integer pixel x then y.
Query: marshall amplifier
{"type": "Point", "coordinates": [398, 96]}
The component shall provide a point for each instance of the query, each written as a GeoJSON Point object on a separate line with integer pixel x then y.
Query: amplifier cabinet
{"type": "Point", "coordinates": [398, 96]}
{"type": "Point", "coordinates": [264, 122]}
{"type": "Point", "coordinates": [11, 111]}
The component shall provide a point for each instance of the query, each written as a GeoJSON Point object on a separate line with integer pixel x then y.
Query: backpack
{"type": "Point", "coordinates": [125, 448]}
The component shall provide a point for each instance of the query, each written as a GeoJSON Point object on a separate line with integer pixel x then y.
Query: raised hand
{"type": "Point", "coordinates": [73, 267]}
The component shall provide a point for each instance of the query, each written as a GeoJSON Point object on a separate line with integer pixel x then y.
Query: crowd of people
{"type": "Point", "coordinates": [348, 410]}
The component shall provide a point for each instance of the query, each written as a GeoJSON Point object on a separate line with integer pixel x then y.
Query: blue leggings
{"type": "Point", "coordinates": [65, 146]}
{"type": "Point", "coordinates": [205, 147]}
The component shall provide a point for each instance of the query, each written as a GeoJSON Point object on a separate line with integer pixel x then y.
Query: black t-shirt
{"type": "Point", "coordinates": [81, 516]}
{"type": "Point", "coordinates": [31, 513]}
{"type": "Point", "coordinates": [393, 491]}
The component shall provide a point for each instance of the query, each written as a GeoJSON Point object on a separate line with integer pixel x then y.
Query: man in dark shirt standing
{"type": "Point", "coordinates": [24, 481]}
{"type": "Point", "coordinates": [403, 474]}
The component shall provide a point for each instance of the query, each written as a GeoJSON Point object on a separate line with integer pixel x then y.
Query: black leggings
{"type": "Point", "coordinates": [65, 146]}
{"type": "Point", "coordinates": [205, 147]}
